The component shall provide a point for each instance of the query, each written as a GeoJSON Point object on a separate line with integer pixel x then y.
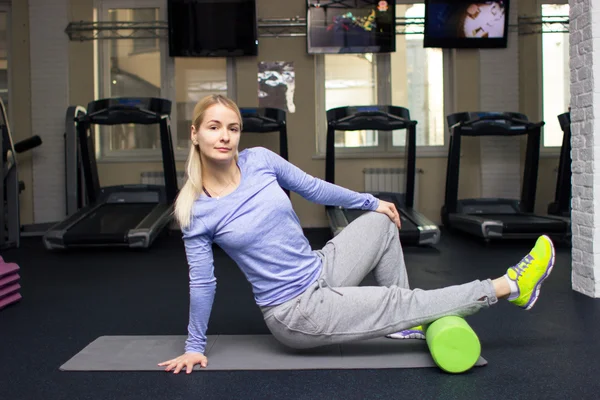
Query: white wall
{"type": "Point", "coordinates": [584, 27]}
{"type": "Point", "coordinates": [49, 53]}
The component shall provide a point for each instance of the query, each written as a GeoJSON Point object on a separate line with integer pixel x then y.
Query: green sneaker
{"type": "Point", "coordinates": [412, 333]}
{"type": "Point", "coordinates": [530, 273]}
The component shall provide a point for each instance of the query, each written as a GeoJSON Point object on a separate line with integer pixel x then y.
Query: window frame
{"type": "Point", "coordinates": [546, 151]}
{"type": "Point", "coordinates": [384, 96]}
{"type": "Point", "coordinates": [5, 6]}
{"type": "Point", "coordinates": [167, 87]}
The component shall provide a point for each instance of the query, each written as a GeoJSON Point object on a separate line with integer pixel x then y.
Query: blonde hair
{"type": "Point", "coordinates": [192, 188]}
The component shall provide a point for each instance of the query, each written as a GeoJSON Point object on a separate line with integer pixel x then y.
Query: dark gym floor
{"type": "Point", "coordinates": [69, 299]}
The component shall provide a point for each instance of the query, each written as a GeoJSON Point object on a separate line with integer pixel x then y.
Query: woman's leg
{"type": "Point", "coordinates": [369, 243]}
{"type": "Point", "coordinates": [336, 314]}
{"type": "Point", "coordinates": [323, 316]}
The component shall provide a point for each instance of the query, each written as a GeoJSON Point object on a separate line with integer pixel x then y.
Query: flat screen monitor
{"type": "Point", "coordinates": [466, 23]}
{"type": "Point", "coordinates": [212, 28]}
{"type": "Point", "coordinates": [350, 26]}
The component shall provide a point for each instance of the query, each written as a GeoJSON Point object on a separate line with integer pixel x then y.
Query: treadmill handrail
{"type": "Point", "coordinates": [93, 117]}
{"type": "Point", "coordinates": [396, 122]}
{"type": "Point", "coordinates": [515, 122]}
{"type": "Point", "coordinates": [564, 120]}
{"type": "Point", "coordinates": [75, 185]}
{"type": "Point", "coordinates": [563, 190]}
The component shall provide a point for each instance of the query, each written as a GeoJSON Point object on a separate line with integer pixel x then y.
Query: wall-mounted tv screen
{"type": "Point", "coordinates": [350, 26]}
{"type": "Point", "coordinates": [212, 28]}
{"type": "Point", "coordinates": [466, 23]}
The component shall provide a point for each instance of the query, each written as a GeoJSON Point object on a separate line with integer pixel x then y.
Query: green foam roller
{"type": "Point", "coordinates": [453, 344]}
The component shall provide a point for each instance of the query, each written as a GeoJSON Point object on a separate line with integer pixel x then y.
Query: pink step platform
{"type": "Point", "coordinates": [9, 283]}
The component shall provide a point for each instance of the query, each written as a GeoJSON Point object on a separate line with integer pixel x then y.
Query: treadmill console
{"type": "Point", "coordinates": [493, 117]}
{"type": "Point", "coordinates": [136, 195]}
{"type": "Point", "coordinates": [366, 109]}
{"type": "Point", "coordinates": [127, 110]}
{"type": "Point", "coordinates": [375, 117]}
{"type": "Point", "coordinates": [491, 123]}
{"type": "Point", "coordinates": [262, 120]}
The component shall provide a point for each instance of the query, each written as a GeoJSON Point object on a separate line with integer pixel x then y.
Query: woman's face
{"type": "Point", "coordinates": [218, 135]}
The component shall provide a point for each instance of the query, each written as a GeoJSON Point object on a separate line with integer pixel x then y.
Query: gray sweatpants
{"type": "Point", "coordinates": [334, 309]}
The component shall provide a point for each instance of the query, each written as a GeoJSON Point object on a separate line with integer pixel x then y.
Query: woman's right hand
{"type": "Point", "coordinates": [389, 209]}
{"type": "Point", "coordinates": [187, 360]}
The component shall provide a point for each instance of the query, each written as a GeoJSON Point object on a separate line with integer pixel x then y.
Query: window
{"type": "Point", "coordinates": [194, 79]}
{"type": "Point", "coordinates": [350, 79]}
{"type": "Point", "coordinates": [131, 73]}
{"type": "Point", "coordinates": [140, 66]}
{"type": "Point", "coordinates": [555, 76]}
{"type": "Point", "coordinates": [417, 83]}
{"type": "Point", "coordinates": [142, 44]}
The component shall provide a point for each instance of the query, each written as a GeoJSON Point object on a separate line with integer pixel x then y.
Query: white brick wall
{"type": "Point", "coordinates": [49, 86]}
{"type": "Point", "coordinates": [499, 91]}
{"type": "Point", "coordinates": [584, 31]}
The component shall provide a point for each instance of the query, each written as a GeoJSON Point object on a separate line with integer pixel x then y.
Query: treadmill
{"type": "Point", "coordinates": [75, 184]}
{"type": "Point", "coordinates": [11, 187]}
{"type": "Point", "coordinates": [561, 206]}
{"type": "Point", "coordinates": [497, 218]}
{"type": "Point", "coordinates": [9, 190]}
{"type": "Point", "coordinates": [416, 229]}
{"type": "Point", "coordinates": [125, 215]}
{"type": "Point", "coordinates": [265, 120]}
{"type": "Point", "coordinates": [73, 175]}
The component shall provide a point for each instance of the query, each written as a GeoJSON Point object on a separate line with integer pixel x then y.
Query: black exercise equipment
{"type": "Point", "coordinates": [10, 225]}
{"type": "Point", "coordinates": [124, 215]}
{"type": "Point", "coordinates": [28, 144]}
{"type": "Point", "coordinates": [497, 218]}
{"type": "Point", "coordinates": [74, 183]}
{"type": "Point", "coordinates": [416, 228]}
{"type": "Point", "coordinates": [265, 120]}
{"type": "Point", "coordinates": [561, 206]}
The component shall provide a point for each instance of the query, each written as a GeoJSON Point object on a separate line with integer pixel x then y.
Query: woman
{"type": "Point", "coordinates": [309, 298]}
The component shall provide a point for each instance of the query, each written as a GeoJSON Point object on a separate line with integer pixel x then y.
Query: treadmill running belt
{"type": "Point", "coordinates": [526, 223]}
{"type": "Point", "coordinates": [110, 223]}
{"type": "Point", "coordinates": [353, 214]}
{"type": "Point", "coordinates": [408, 230]}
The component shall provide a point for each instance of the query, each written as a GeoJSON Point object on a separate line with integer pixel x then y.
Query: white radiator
{"type": "Point", "coordinates": [158, 178]}
{"type": "Point", "coordinates": [389, 180]}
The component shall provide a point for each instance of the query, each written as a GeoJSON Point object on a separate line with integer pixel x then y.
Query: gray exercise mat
{"type": "Point", "coordinates": [249, 352]}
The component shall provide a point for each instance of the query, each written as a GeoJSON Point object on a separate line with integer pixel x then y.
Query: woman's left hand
{"type": "Point", "coordinates": [389, 209]}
